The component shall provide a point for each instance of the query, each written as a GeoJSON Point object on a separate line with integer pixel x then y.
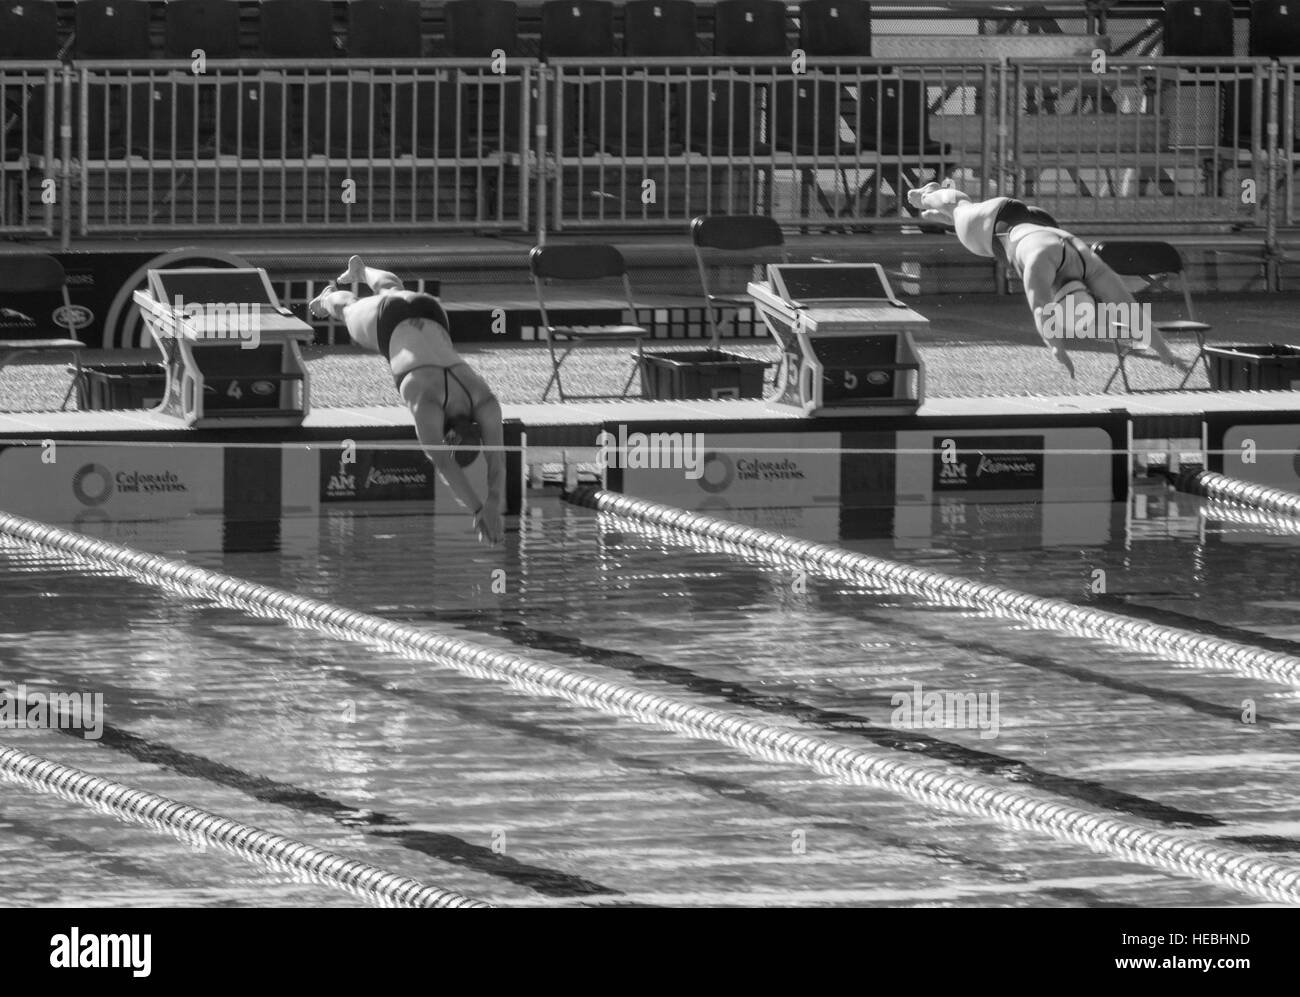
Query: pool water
{"type": "Point", "coordinates": [522, 800]}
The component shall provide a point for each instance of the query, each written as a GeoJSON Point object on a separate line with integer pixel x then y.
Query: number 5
{"type": "Point", "coordinates": [850, 380]}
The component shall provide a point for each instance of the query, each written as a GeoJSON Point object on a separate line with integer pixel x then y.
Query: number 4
{"type": "Point", "coordinates": [233, 391]}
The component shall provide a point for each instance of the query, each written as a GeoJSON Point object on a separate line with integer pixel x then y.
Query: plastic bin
{"type": "Point", "coordinates": [1254, 368]}
{"type": "Point", "coordinates": [701, 374]}
{"type": "Point", "coordinates": [121, 386]}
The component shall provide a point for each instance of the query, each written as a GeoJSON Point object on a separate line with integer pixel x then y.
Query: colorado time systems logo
{"type": "Point", "coordinates": [94, 484]}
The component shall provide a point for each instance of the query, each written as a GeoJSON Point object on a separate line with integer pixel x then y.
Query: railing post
{"type": "Point", "coordinates": [543, 73]}
{"type": "Point", "coordinates": [65, 155]}
{"type": "Point", "coordinates": [1272, 254]}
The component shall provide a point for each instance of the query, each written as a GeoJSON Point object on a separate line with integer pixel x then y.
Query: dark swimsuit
{"type": "Point", "coordinates": [1015, 213]}
{"type": "Point", "coordinates": [398, 307]}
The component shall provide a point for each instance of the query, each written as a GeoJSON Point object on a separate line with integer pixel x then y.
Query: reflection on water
{"type": "Point", "coordinates": [521, 800]}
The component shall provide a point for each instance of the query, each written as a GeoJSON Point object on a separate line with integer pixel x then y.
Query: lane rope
{"type": "Point", "coordinates": [995, 600]}
{"type": "Point", "coordinates": [1125, 840]}
{"type": "Point", "coordinates": [1222, 488]}
{"type": "Point", "coordinates": [201, 827]}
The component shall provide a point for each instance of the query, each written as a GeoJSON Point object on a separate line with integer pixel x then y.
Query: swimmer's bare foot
{"type": "Point", "coordinates": [355, 273]}
{"type": "Point", "coordinates": [316, 307]}
{"type": "Point", "coordinates": [377, 280]}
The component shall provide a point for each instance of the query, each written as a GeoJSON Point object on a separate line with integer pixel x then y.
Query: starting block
{"type": "Point", "coordinates": [846, 341]}
{"type": "Point", "coordinates": [230, 349]}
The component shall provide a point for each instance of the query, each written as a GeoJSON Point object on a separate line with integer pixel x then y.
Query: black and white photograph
{"type": "Point", "coordinates": [650, 454]}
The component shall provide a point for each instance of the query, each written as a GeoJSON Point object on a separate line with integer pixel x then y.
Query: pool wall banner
{"type": "Point", "coordinates": [788, 482]}
{"type": "Point", "coordinates": [1051, 484]}
{"type": "Point", "coordinates": [1266, 454]}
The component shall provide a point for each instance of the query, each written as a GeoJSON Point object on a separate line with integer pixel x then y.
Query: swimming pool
{"type": "Point", "coordinates": [523, 800]}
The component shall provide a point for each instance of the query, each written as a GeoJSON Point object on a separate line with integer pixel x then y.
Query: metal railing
{"type": "Point", "coordinates": [29, 156]}
{"type": "Point", "coordinates": [302, 144]}
{"type": "Point", "coordinates": [1156, 140]}
{"type": "Point", "coordinates": [440, 145]}
{"type": "Point", "coordinates": [659, 141]}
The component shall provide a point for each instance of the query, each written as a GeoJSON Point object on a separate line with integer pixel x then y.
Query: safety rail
{"type": "Point", "coordinates": [661, 140]}
{"type": "Point", "coordinates": [1125, 140]}
{"type": "Point", "coordinates": [29, 155]}
{"type": "Point", "coordinates": [170, 146]}
{"type": "Point", "coordinates": [1284, 103]}
{"type": "Point", "coordinates": [374, 144]}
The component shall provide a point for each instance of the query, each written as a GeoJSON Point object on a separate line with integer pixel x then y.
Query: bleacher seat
{"type": "Point", "coordinates": [479, 29]}
{"type": "Point", "coordinates": [651, 110]}
{"type": "Point", "coordinates": [116, 29]}
{"type": "Point", "coordinates": [835, 27]}
{"type": "Point", "coordinates": [283, 116]}
{"type": "Point", "coordinates": [1198, 28]}
{"type": "Point", "coordinates": [211, 26]}
{"type": "Point", "coordinates": [383, 29]}
{"type": "Point", "coordinates": [28, 30]}
{"type": "Point", "coordinates": [724, 110]}
{"type": "Point", "coordinates": [807, 112]}
{"type": "Point", "coordinates": [579, 29]}
{"type": "Point", "coordinates": [1274, 34]}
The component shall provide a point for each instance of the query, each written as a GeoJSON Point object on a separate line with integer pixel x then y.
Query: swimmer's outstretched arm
{"type": "Point", "coordinates": [431, 427]}
{"type": "Point", "coordinates": [1040, 291]}
{"type": "Point", "coordinates": [488, 521]}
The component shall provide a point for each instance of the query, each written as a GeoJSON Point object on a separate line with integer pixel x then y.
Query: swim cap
{"type": "Point", "coordinates": [465, 435]}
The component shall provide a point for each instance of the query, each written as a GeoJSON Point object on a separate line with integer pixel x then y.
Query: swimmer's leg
{"type": "Point", "coordinates": [379, 281]}
{"type": "Point", "coordinates": [1108, 286]}
{"type": "Point", "coordinates": [330, 302]}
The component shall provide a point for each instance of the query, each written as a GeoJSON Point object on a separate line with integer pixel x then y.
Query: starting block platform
{"type": "Point", "coordinates": [231, 351]}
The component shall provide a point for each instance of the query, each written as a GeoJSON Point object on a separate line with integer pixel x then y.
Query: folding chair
{"type": "Point", "coordinates": [34, 273]}
{"type": "Point", "coordinates": [587, 263]}
{"type": "Point", "coordinates": [736, 234]}
{"type": "Point", "coordinates": [1155, 263]}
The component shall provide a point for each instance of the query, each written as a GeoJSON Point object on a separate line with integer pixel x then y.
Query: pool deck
{"type": "Point", "coordinates": [330, 422]}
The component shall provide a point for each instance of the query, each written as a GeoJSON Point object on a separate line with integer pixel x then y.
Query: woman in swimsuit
{"type": "Point", "coordinates": [455, 411]}
{"type": "Point", "coordinates": [1050, 261]}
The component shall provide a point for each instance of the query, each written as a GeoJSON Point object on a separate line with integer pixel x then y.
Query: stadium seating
{"type": "Point", "coordinates": [28, 30]}
{"type": "Point", "coordinates": [212, 27]}
{"type": "Point", "coordinates": [118, 115]}
{"type": "Point", "coordinates": [284, 115]}
{"type": "Point", "coordinates": [650, 114]}
{"type": "Point", "coordinates": [383, 102]}
{"type": "Point", "coordinates": [578, 29]}
{"type": "Point", "coordinates": [724, 109]}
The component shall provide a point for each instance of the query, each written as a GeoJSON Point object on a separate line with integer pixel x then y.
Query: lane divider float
{"type": "Point", "coordinates": [201, 827]}
{"type": "Point", "coordinates": [995, 600]}
{"type": "Point", "coordinates": [1125, 840]}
